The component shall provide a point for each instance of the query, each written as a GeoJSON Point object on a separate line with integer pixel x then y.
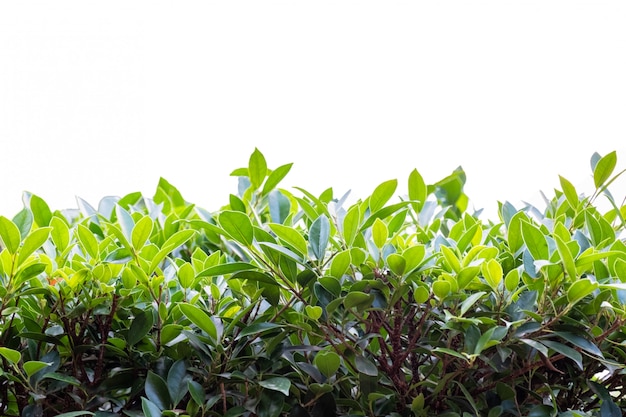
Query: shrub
{"type": "Point", "coordinates": [284, 303]}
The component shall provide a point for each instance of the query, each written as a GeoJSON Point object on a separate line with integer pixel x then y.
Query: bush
{"type": "Point", "coordinates": [284, 303]}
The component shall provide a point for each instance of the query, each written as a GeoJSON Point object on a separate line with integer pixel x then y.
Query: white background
{"type": "Point", "coordinates": [103, 98]}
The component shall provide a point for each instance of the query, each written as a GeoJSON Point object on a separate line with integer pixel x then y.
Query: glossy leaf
{"type": "Point", "coordinates": [33, 242]}
{"type": "Point", "coordinates": [379, 233]}
{"type": "Point", "coordinates": [580, 289]}
{"type": "Point", "coordinates": [275, 177]}
{"type": "Point", "coordinates": [535, 241]}
{"type": "Point", "coordinates": [87, 241]}
{"type": "Point", "coordinates": [351, 223]}
{"type": "Point", "coordinates": [41, 211]}
{"type": "Point", "coordinates": [417, 188]}
{"type": "Point", "coordinates": [327, 362]}
{"type": "Point", "coordinates": [199, 318]}
{"type": "Point", "coordinates": [141, 232]}
{"type": "Point", "coordinates": [279, 383]}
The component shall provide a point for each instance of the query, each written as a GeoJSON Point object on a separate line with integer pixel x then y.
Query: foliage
{"type": "Point", "coordinates": [284, 303]}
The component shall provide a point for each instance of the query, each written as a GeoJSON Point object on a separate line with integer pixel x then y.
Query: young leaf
{"type": "Point", "coordinates": [87, 241]}
{"type": "Point", "coordinates": [33, 242]}
{"type": "Point", "coordinates": [327, 362]}
{"type": "Point", "coordinates": [492, 271]}
{"type": "Point", "coordinates": [13, 356]}
{"type": "Point", "coordinates": [351, 224]}
{"type": "Point", "coordinates": [60, 233]}
{"type": "Point", "coordinates": [604, 168]}
{"type": "Point", "coordinates": [340, 264]}
{"type": "Point", "coordinates": [570, 192]}
{"type": "Point", "coordinates": [417, 188]}
{"type": "Point", "coordinates": [10, 235]}
{"type": "Point", "coordinates": [41, 211]}
{"type": "Point", "coordinates": [257, 169]}
{"type": "Point", "coordinates": [31, 367]}
{"type": "Point", "coordinates": [379, 233]}
{"type": "Point", "coordinates": [382, 194]}
{"type": "Point", "coordinates": [141, 232]}
{"type": "Point", "coordinates": [275, 177]}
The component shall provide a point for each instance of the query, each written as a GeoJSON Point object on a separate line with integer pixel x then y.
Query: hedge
{"type": "Point", "coordinates": [286, 303]}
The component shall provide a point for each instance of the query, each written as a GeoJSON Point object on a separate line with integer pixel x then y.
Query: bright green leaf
{"type": "Point", "coordinates": [199, 318]}
{"type": "Point", "coordinates": [417, 188]}
{"type": "Point", "coordinates": [604, 168]}
{"type": "Point", "coordinates": [379, 233]}
{"type": "Point", "coordinates": [33, 242]}
{"type": "Point", "coordinates": [41, 211]}
{"type": "Point", "coordinates": [31, 367]}
{"type": "Point", "coordinates": [275, 177]}
{"type": "Point", "coordinates": [580, 289]}
{"type": "Point", "coordinates": [535, 241]}
{"type": "Point", "coordinates": [141, 232]}
{"type": "Point", "coordinates": [238, 225]}
{"type": "Point", "coordinates": [13, 356]}
{"type": "Point", "coordinates": [10, 235]}
{"type": "Point", "coordinates": [291, 236]}
{"type": "Point", "coordinates": [257, 169]}
{"type": "Point", "coordinates": [88, 241]}
{"type": "Point", "coordinates": [382, 194]}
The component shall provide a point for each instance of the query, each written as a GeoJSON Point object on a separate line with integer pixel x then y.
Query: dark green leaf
{"type": "Point", "coordinates": [177, 381]}
{"type": "Point", "coordinates": [257, 328]}
{"type": "Point", "coordinates": [279, 206]}
{"type": "Point", "coordinates": [140, 327]}
{"type": "Point", "coordinates": [149, 408]}
{"type": "Point", "coordinates": [279, 383]}
{"type": "Point", "coordinates": [227, 268]}
{"type": "Point", "coordinates": [319, 235]}
{"type": "Point", "coordinates": [565, 351]}
{"type": "Point", "coordinates": [580, 342]}
{"type": "Point", "coordinates": [365, 366]}
{"type": "Point", "coordinates": [157, 392]}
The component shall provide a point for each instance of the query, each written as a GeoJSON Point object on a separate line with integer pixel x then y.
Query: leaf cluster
{"type": "Point", "coordinates": [286, 303]}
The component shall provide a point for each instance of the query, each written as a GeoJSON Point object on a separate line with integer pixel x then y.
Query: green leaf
{"type": "Point", "coordinates": [275, 177]}
{"type": "Point", "coordinates": [604, 168]}
{"type": "Point", "coordinates": [451, 353]}
{"type": "Point", "coordinates": [451, 259]}
{"type": "Point", "coordinates": [397, 264]}
{"type": "Point", "coordinates": [492, 271]}
{"type": "Point", "coordinates": [228, 268]}
{"type": "Point", "coordinates": [31, 367]}
{"type": "Point", "coordinates": [327, 362]}
{"type": "Point", "coordinates": [10, 235]}
{"type": "Point", "coordinates": [149, 408]}
{"type": "Point", "coordinates": [340, 264]}
{"type": "Point", "coordinates": [313, 312]}
{"type": "Point", "coordinates": [61, 377]}
{"type": "Point", "coordinates": [358, 300]}
{"type": "Point", "coordinates": [441, 288]}
{"type": "Point", "coordinates": [319, 233]}
{"type": "Point", "coordinates": [382, 194]}
{"type": "Point", "coordinates": [566, 351]}
{"type": "Point", "coordinates": [535, 241]}
{"type": "Point", "coordinates": [256, 329]}
{"type": "Point", "coordinates": [290, 236]}
{"type": "Point", "coordinates": [13, 356]}
{"type": "Point", "coordinates": [199, 318]}
{"type": "Point", "coordinates": [197, 392]}
{"type": "Point", "coordinates": [580, 289]}
{"type": "Point", "coordinates": [41, 211]}
{"type": "Point", "coordinates": [279, 206]}
{"type": "Point", "coordinates": [177, 379]}
{"type": "Point", "coordinates": [470, 301]}
{"type": "Point", "coordinates": [379, 233]}
{"type": "Point", "coordinates": [257, 169]}
{"type": "Point", "coordinates": [580, 342]}
{"type": "Point", "coordinates": [174, 241]}
{"type": "Point", "coordinates": [414, 255]}
{"type": "Point", "coordinates": [76, 414]}
{"type": "Point", "coordinates": [140, 326]}
{"type": "Point", "coordinates": [24, 222]}
{"type": "Point", "coordinates": [88, 241]}
{"type": "Point", "coordinates": [570, 192]}
{"type": "Point", "coordinates": [417, 188]}
{"type": "Point", "coordinates": [365, 366]}
{"type": "Point", "coordinates": [279, 383]}
{"type": "Point", "coordinates": [566, 257]}
{"type": "Point", "coordinates": [141, 232]}
{"type": "Point", "coordinates": [60, 233]}
{"type": "Point", "coordinates": [33, 242]}
{"type": "Point", "coordinates": [238, 225]}
{"type": "Point", "coordinates": [168, 195]}
{"type": "Point", "coordinates": [511, 281]}
{"type": "Point", "coordinates": [157, 392]}
{"type": "Point", "coordinates": [351, 223]}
